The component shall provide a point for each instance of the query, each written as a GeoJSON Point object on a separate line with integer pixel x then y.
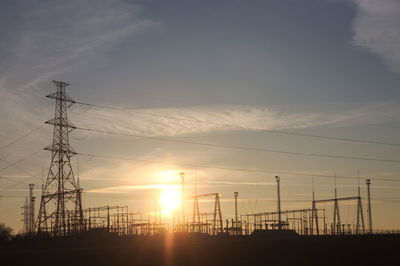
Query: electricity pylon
{"type": "Point", "coordinates": [60, 210]}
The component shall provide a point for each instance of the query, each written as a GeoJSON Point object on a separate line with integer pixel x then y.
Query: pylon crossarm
{"type": "Point", "coordinates": [66, 97]}
{"type": "Point", "coordinates": [68, 152]}
{"type": "Point", "coordinates": [337, 199]}
{"type": "Point", "coordinates": [62, 124]}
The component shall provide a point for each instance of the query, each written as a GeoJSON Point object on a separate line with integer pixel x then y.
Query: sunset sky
{"type": "Point", "coordinates": [246, 73]}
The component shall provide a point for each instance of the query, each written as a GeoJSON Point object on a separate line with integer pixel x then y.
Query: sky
{"type": "Point", "coordinates": [225, 72]}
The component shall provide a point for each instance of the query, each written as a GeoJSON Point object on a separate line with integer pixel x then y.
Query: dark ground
{"type": "Point", "coordinates": [205, 251]}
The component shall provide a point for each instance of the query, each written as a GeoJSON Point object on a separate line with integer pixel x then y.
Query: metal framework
{"type": "Point", "coordinates": [60, 210]}
{"type": "Point", "coordinates": [29, 212]}
{"type": "Point", "coordinates": [25, 216]}
{"type": "Point", "coordinates": [113, 219]}
{"type": "Point", "coordinates": [337, 226]}
{"type": "Point", "coordinates": [140, 224]}
{"type": "Point", "coordinates": [118, 220]}
{"type": "Point", "coordinates": [298, 220]}
{"type": "Point", "coordinates": [202, 225]}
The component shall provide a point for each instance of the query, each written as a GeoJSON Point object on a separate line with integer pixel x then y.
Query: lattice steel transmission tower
{"type": "Point", "coordinates": [25, 216]}
{"type": "Point", "coordinates": [29, 212]}
{"type": "Point", "coordinates": [60, 210]}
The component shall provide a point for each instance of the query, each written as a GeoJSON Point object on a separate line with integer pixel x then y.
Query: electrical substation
{"type": "Point", "coordinates": [62, 213]}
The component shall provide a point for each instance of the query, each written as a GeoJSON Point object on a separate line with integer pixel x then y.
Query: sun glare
{"type": "Point", "coordinates": [166, 176]}
{"type": "Point", "coordinates": [170, 200]}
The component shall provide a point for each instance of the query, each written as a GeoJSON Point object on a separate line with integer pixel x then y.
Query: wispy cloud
{"type": "Point", "coordinates": [233, 183]}
{"type": "Point", "coordinates": [204, 119]}
{"type": "Point", "coordinates": [130, 188]}
{"type": "Point", "coordinates": [57, 35]}
{"type": "Point", "coordinates": [377, 28]}
{"type": "Point", "coordinates": [49, 39]}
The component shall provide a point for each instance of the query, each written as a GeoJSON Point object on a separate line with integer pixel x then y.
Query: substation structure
{"type": "Point", "coordinates": [119, 220]}
{"type": "Point", "coordinates": [309, 221]}
{"type": "Point", "coordinates": [297, 220]}
{"type": "Point", "coordinates": [336, 227]}
{"type": "Point", "coordinates": [61, 211]}
{"type": "Point", "coordinates": [208, 223]}
{"type": "Point", "coordinates": [313, 221]}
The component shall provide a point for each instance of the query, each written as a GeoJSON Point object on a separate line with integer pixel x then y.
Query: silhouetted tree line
{"type": "Point", "coordinates": [5, 233]}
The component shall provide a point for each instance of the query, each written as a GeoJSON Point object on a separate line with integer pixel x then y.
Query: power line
{"type": "Point", "coordinates": [7, 178]}
{"type": "Point", "coordinates": [13, 176]}
{"type": "Point", "coordinates": [21, 138]}
{"type": "Point", "coordinates": [234, 168]}
{"type": "Point", "coordinates": [20, 182]}
{"type": "Point", "coordinates": [11, 196]}
{"type": "Point", "coordinates": [354, 140]}
{"type": "Point", "coordinates": [242, 147]}
{"type": "Point", "coordinates": [20, 169]}
{"type": "Point", "coordinates": [18, 161]}
{"type": "Point", "coordinates": [118, 196]}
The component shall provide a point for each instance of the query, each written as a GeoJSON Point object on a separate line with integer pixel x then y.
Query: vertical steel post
{"type": "Point", "coordinates": [31, 209]}
{"type": "Point", "coordinates": [182, 175]}
{"type": "Point", "coordinates": [368, 182]}
{"type": "Point", "coordinates": [279, 203]}
{"type": "Point", "coordinates": [236, 194]}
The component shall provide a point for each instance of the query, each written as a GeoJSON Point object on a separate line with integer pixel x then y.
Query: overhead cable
{"type": "Point", "coordinates": [354, 140]}
{"type": "Point", "coordinates": [242, 147]}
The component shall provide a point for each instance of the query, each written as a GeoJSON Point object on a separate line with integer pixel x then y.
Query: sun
{"type": "Point", "coordinates": [170, 200]}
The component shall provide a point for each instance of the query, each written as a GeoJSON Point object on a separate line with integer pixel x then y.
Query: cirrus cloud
{"type": "Point", "coordinates": [376, 27]}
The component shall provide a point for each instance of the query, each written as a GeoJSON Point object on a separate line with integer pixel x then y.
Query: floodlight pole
{"type": "Point", "coordinates": [236, 194]}
{"type": "Point", "coordinates": [368, 182]}
{"type": "Point", "coordinates": [182, 175]}
{"type": "Point", "coordinates": [279, 202]}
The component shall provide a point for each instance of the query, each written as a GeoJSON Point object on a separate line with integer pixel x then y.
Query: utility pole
{"type": "Point", "coordinates": [279, 202]}
{"type": "Point", "coordinates": [182, 175]}
{"type": "Point", "coordinates": [236, 194]}
{"type": "Point", "coordinates": [61, 193]}
{"type": "Point", "coordinates": [368, 182]}
{"type": "Point", "coordinates": [314, 212]}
